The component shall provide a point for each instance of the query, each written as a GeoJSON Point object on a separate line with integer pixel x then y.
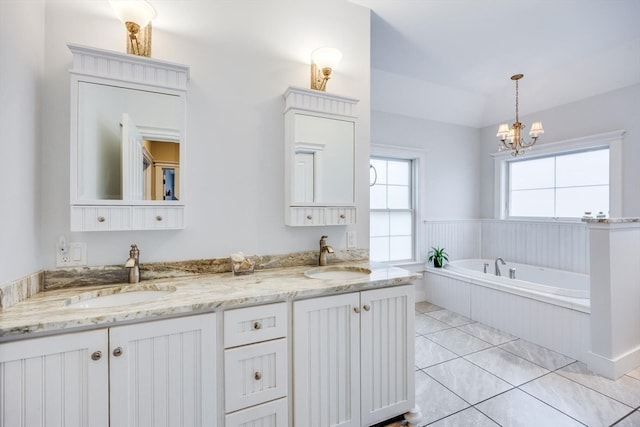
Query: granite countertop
{"type": "Point", "coordinates": [610, 220]}
{"type": "Point", "coordinates": [47, 312]}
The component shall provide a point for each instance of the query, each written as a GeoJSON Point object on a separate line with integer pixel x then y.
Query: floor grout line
{"type": "Point", "coordinates": [539, 358]}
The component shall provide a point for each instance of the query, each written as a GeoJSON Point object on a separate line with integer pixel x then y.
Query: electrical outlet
{"type": "Point", "coordinates": [351, 240]}
{"type": "Point", "coordinates": [70, 254]}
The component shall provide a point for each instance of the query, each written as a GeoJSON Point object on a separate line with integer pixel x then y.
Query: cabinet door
{"type": "Point", "coordinates": [163, 373]}
{"type": "Point", "coordinates": [326, 353]}
{"type": "Point", "coordinates": [387, 353]}
{"type": "Point", "coordinates": [54, 381]}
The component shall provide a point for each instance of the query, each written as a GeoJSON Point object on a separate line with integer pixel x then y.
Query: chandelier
{"type": "Point", "coordinates": [510, 136]}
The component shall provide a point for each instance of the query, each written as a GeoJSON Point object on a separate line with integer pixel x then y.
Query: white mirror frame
{"type": "Point", "coordinates": [135, 73]}
{"type": "Point", "coordinates": [319, 104]}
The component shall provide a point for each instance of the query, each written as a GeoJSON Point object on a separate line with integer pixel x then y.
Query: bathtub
{"type": "Point", "coordinates": [547, 307]}
{"type": "Point", "coordinates": [539, 279]}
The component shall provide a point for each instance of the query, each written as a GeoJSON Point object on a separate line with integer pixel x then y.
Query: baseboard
{"type": "Point", "coordinates": [614, 368]}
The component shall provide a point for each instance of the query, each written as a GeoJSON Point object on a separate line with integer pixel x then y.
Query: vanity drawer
{"type": "Point", "coordinates": [306, 216]}
{"type": "Point", "coordinates": [158, 218]}
{"type": "Point", "coordinates": [254, 324]}
{"type": "Point", "coordinates": [340, 216]}
{"type": "Point", "coordinates": [255, 374]}
{"type": "Point", "coordinates": [100, 218]}
{"type": "Point", "coordinates": [271, 414]}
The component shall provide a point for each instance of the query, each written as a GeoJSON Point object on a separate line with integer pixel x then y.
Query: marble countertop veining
{"type": "Point", "coordinates": [47, 312]}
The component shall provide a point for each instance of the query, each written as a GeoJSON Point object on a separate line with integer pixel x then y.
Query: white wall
{"type": "Point", "coordinates": [241, 63]}
{"type": "Point", "coordinates": [452, 167]}
{"type": "Point", "coordinates": [21, 68]}
{"type": "Point", "coordinates": [615, 110]}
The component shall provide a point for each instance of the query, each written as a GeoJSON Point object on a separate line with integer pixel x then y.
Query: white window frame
{"type": "Point", "coordinates": [418, 158]}
{"type": "Point", "coordinates": [611, 140]}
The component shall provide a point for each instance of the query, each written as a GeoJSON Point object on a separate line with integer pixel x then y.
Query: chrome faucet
{"type": "Point", "coordinates": [498, 268]}
{"type": "Point", "coordinates": [133, 264]}
{"type": "Point", "coordinates": [324, 250]}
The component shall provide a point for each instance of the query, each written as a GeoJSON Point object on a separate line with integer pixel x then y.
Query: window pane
{"type": "Point", "coordinates": [400, 223]}
{"type": "Point", "coordinates": [391, 215]}
{"type": "Point", "coordinates": [401, 248]}
{"type": "Point", "coordinates": [398, 172]}
{"type": "Point", "coordinates": [379, 224]}
{"type": "Point", "coordinates": [574, 202]}
{"type": "Point", "coordinates": [532, 203]}
{"type": "Point", "coordinates": [399, 197]}
{"type": "Point", "coordinates": [379, 249]}
{"type": "Point", "coordinates": [378, 197]}
{"type": "Point", "coordinates": [529, 174]}
{"type": "Point", "coordinates": [588, 168]}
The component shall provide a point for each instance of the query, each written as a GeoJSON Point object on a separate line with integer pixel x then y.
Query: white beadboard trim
{"type": "Point", "coordinates": [316, 101]}
{"type": "Point", "coordinates": [93, 62]}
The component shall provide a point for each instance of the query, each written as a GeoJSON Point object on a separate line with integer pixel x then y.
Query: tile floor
{"type": "Point", "coordinates": [468, 374]}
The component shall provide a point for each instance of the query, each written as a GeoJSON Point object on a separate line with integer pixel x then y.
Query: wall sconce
{"type": "Point", "coordinates": [322, 62]}
{"type": "Point", "coordinates": [136, 16]}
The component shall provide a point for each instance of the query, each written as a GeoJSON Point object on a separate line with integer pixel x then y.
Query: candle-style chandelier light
{"type": "Point", "coordinates": [510, 137]}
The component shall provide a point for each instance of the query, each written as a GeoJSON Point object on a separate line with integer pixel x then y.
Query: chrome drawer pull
{"type": "Point", "coordinates": [96, 355]}
{"type": "Point", "coordinates": [117, 352]}
{"type": "Point", "coordinates": [101, 218]}
{"type": "Point", "coordinates": [257, 376]}
{"type": "Point", "coordinates": [158, 218]}
{"type": "Point", "coordinates": [257, 325]}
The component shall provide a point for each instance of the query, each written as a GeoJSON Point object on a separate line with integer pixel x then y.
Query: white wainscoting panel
{"type": "Point", "coordinates": [449, 293]}
{"type": "Point", "coordinates": [558, 328]}
{"type": "Point", "coordinates": [460, 238]}
{"type": "Point", "coordinates": [563, 246]}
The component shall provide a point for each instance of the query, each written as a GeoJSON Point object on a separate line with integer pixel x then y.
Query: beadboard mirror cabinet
{"type": "Point", "coordinates": [127, 130]}
{"type": "Point", "coordinates": [320, 131]}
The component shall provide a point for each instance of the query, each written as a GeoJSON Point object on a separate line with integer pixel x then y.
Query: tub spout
{"type": "Point", "coordinates": [498, 273]}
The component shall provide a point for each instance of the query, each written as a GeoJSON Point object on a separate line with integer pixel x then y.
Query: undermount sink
{"type": "Point", "coordinates": [337, 272]}
{"type": "Point", "coordinates": [124, 297]}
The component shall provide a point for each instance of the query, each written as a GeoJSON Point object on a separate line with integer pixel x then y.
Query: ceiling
{"type": "Point", "coordinates": [451, 60]}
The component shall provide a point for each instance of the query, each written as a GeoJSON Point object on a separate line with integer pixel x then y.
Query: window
{"type": "Point", "coordinates": [392, 212]}
{"type": "Point", "coordinates": [559, 186]}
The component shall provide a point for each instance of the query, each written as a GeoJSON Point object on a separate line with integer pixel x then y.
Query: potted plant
{"type": "Point", "coordinates": [438, 256]}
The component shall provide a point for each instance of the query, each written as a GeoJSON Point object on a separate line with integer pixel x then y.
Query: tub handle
{"type": "Point", "coordinates": [486, 266]}
{"type": "Point", "coordinates": [512, 273]}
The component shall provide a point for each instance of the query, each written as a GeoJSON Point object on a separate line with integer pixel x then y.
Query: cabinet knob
{"type": "Point", "coordinates": [96, 355]}
{"type": "Point", "coordinates": [101, 218]}
{"type": "Point", "coordinates": [257, 376]}
{"type": "Point", "coordinates": [309, 217]}
{"type": "Point", "coordinates": [158, 218]}
{"type": "Point", "coordinates": [342, 216]}
{"type": "Point", "coordinates": [117, 352]}
{"type": "Point", "coordinates": [356, 309]}
{"type": "Point", "coordinates": [366, 307]}
{"type": "Point", "coordinates": [257, 325]}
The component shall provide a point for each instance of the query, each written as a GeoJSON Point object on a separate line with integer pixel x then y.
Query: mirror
{"type": "Point", "coordinates": [128, 143]}
{"type": "Point", "coordinates": [323, 160]}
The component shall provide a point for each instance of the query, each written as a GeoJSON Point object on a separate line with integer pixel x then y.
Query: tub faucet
{"type": "Point", "coordinates": [324, 250]}
{"type": "Point", "coordinates": [498, 268]}
{"type": "Point", "coordinates": [133, 264]}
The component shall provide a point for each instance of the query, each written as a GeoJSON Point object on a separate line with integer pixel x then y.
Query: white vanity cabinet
{"type": "Point", "coordinates": [320, 139]}
{"type": "Point", "coordinates": [353, 357]}
{"type": "Point", "coordinates": [55, 381]}
{"type": "Point", "coordinates": [160, 373]}
{"type": "Point", "coordinates": [256, 366]}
